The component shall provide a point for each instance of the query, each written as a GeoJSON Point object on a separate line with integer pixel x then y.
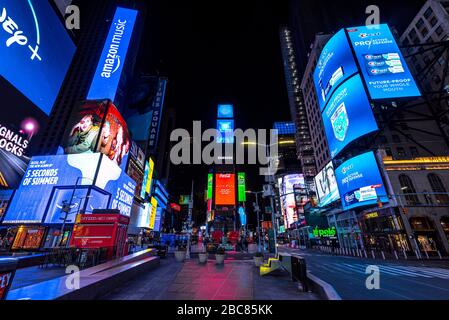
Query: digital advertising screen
{"type": "Point", "coordinates": [115, 181]}
{"type": "Point", "coordinates": [153, 213]}
{"type": "Point", "coordinates": [360, 182]}
{"type": "Point", "coordinates": [335, 65]}
{"type": "Point", "coordinates": [241, 179]}
{"type": "Point", "coordinates": [210, 186]}
{"type": "Point", "coordinates": [225, 189]}
{"type": "Point", "coordinates": [97, 126]}
{"type": "Point", "coordinates": [226, 130]}
{"type": "Point", "coordinates": [384, 69]}
{"type": "Point", "coordinates": [144, 216]}
{"type": "Point", "coordinates": [225, 111]}
{"type": "Point", "coordinates": [348, 115]}
{"type": "Point", "coordinates": [113, 58]}
{"type": "Point", "coordinates": [158, 219]}
{"type": "Point", "coordinates": [287, 196]}
{"type": "Point", "coordinates": [44, 175]}
{"type": "Point", "coordinates": [35, 50]}
{"type": "Point", "coordinates": [326, 186]}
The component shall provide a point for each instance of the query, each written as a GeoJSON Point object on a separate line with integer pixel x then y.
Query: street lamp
{"type": "Point", "coordinates": [257, 209]}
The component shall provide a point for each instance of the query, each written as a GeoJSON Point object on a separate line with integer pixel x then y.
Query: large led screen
{"type": "Point", "coordinates": [225, 189]}
{"type": "Point", "coordinates": [113, 58]}
{"type": "Point", "coordinates": [335, 65]}
{"type": "Point", "coordinates": [225, 129]}
{"type": "Point", "coordinates": [225, 111]}
{"type": "Point", "coordinates": [35, 50]}
{"type": "Point", "coordinates": [46, 175]}
{"type": "Point", "coordinates": [383, 67]}
{"type": "Point", "coordinates": [287, 185]}
{"type": "Point", "coordinates": [97, 126]}
{"type": "Point", "coordinates": [115, 181]}
{"type": "Point", "coordinates": [326, 186]}
{"type": "Point", "coordinates": [348, 115]}
{"type": "Point", "coordinates": [360, 182]}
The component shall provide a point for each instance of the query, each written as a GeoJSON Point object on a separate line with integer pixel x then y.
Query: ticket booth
{"type": "Point", "coordinates": [95, 231]}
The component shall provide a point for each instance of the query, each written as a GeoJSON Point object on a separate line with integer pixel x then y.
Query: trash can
{"type": "Point", "coordinates": [8, 268]}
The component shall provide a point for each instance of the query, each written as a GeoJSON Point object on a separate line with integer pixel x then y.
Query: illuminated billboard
{"type": "Point", "coordinates": [210, 186]}
{"type": "Point", "coordinates": [225, 111]}
{"type": "Point", "coordinates": [384, 69]}
{"type": "Point", "coordinates": [335, 65]}
{"type": "Point", "coordinates": [287, 185]}
{"type": "Point", "coordinates": [326, 186]}
{"type": "Point", "coordinates": [113, 58]}
{"type": "Point", "coordinates": [35, 50]}
{"type": "Point", "coordinates": [226, 130]}
{"type": "Point", "coordinates": [241, 179]}
{"type": "Point", "coordinates": [348, 115]}
{"type": "Point", "coordinates": [44, 175]}
{"type": "Point", "coordinates": [153, 214]}
{"type": "Point", "coordinates": [97, 126]}
{"type": "Point", "coordinates": [115, 181]}
{"type": "Point", "coordinates": [225, 189]}
{"type": "Point", "coordinates": [360, 182]}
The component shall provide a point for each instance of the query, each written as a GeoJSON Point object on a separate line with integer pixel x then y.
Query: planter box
{"type": "Point", "coordinates": [219, 258]}
{"type": "Point", "coordinates": [202, 257]}
{"type": "Point", "coordinates": [180, 256]}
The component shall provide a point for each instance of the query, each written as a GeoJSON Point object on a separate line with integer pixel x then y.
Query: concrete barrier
{"type": "Point", "coordinates": [94, 282]}
{"type": "Point", "coordinates": [324, 289]}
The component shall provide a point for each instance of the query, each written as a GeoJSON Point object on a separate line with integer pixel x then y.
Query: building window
{"type": "Point", "coordinates": [438, 187]}
{"type": "Point", "coordinates": [424, 32]}
{"type": "Point", "coordinates": [401, 152]}
{"type": "Point", "coordinates": [383, 139]}
{"type": "Point", "coordinates": [388, 152]}
{"type": "Point", "coordinates": [433, 21]}
{"type": "Point", "coordinates": [419, 24]}
{"type": "Point", "coordinates": [439, 31]}
{"type": "Point", "coordinates": [408, 189]}
{"type": "Point", "coordinates": [428, 13]}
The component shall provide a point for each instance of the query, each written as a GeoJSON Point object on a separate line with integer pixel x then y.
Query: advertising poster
{"type": "Point", "coordinates": [158, 219]}
{"type": "Point", "coordinates": [226, 130]}
{"type": "Point", "coordinates": [286, 192]}
{"type": "Point", "coordinates": [113, 58]}
{"type": "Point", "coordinates": [225, 111]}
{"type": "Point", "coordinates": [97, 126]}
{"type": "Point", "coordinates": [348, 115]}
{"type": "Point", "coordinates": [335, 65]}
{"type": "Point", "coordinates": [225, 189]}
{"type": "Point", "coordinates": [384, 69]}
{"type": "Point", "coordinates": [115, 181]}
{"type": "Point", "coordinates": [35, 50]}
{"type": "Point", "coordinates": [360, 182]}
{"type": "Point", "coordinates": [326, 186]}
{"type": "Point", "coordinates": [210, 186]}
{"type": "Point", "coordinates": [45, 174]}
{"type": "Point", "coordinates": [153, 213]}
{"type": "Point", "coordinates": [241, 186]}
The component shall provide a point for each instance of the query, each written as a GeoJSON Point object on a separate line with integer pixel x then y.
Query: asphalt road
{"type": "Point", "coordinates": [410, 280]}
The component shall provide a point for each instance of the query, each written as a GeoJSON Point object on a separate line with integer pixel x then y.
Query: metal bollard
{"type": "Point", "coordinates": [366, 255]}
{"type": "Point", "coordinates": [427, 255]}
{"type": "Point", "coordinates": [405, 254]}
{"type": "Point", "coordinates": [396, 255]}
{"type": "Point", "coordinates": [439, 254]}
{"type": "Point", "coordinates": [383, 255]}
{"type": "Point", "coordinates": [417, 255]}
{"type": "Point", "coordinates": [372, 253]}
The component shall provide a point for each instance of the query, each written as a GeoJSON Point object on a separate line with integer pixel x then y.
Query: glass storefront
{"type": "Point", "coordinates": [425, 234]}
{"type": "Point", "coordinates": [445, 224]}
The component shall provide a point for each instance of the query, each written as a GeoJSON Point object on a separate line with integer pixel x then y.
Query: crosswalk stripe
{"type": "Point", "coordinates": [440, 274]}
{"type": "Point", "coordinates": [402, 272]}
{"type": "Point", "coordinates": [342, 269]}
{"type": "Point", "coordinates": [357, 268]}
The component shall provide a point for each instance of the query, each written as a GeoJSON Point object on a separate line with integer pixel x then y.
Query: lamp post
{"type": "Point", "coordinates": [257, 209]}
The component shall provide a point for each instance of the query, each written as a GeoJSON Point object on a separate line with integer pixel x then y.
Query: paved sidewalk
{"type": "Point", "coordinates": [28, 276]}
{"type": "Point", "coordinates": [235, 280]}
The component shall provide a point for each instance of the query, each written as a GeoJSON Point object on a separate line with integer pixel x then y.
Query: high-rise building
{"type": "Point", "coordinates": [288, 161]}
{"type": "Point", "coordinates": [304, 146]}
{"type": "Point", "coordinates": [90, 40]}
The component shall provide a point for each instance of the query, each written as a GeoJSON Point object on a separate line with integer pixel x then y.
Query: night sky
{"type": "Point", "coordinates": [229, 51]}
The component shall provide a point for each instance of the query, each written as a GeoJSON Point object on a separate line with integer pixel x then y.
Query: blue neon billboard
{"type": "Point", "coordinates": [384, 69]}
{"type": "Point", "coordinates": [225, 111]}
{"type": "Point", "coordinates": [109, 70]}
{"type": "Point", "coordinates": [348, 115]}
{"type": "Point", "coordinates": [45, 176]}
{"type": "Point", "coordinates": [335, 65]}
{"type": "Point", "coordinates": [226, 130]}
{"type": "Point", "coordinates": [35, 50]}
{"type": "Point", "coordinates": [360, 182]}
